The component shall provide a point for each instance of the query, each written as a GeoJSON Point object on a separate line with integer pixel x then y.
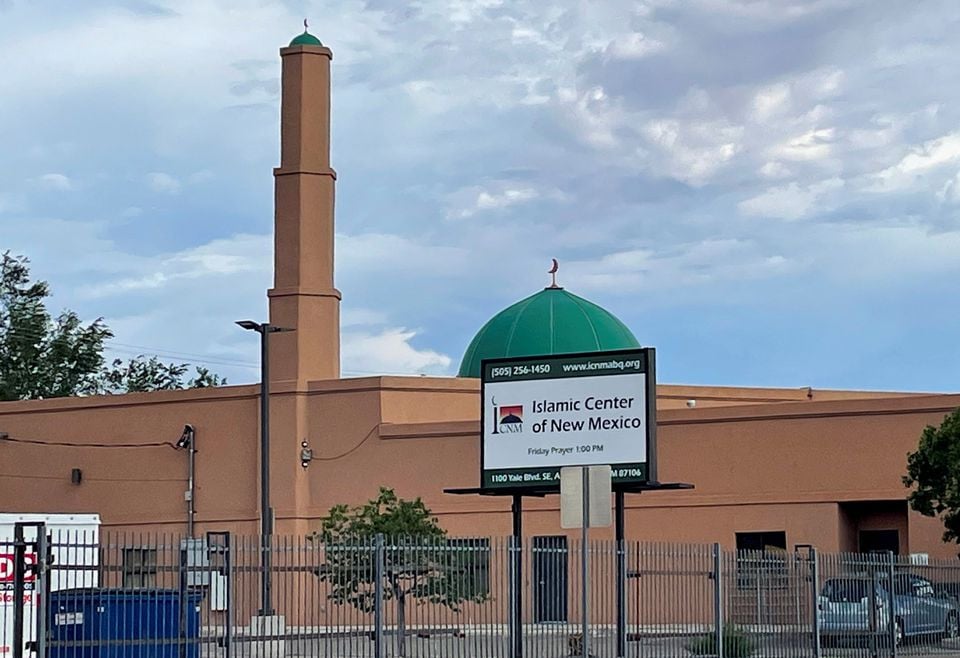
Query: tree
{"type": "Point", "coordinates": [933, 471]}
{"type": "Point", "coordinates": [46, 357]}
{"type": "Point", "coordinates": [419, 561]}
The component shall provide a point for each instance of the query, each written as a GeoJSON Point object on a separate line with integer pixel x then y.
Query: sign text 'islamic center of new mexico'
{"type": "Point", "coordinates": [542, 413]}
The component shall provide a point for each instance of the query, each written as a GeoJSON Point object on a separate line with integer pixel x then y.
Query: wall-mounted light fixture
{"type": "Point", "coordinates": [76, 476]}
{"type": "Point", "coordinates": [186, 438]}
{"type": "Point", "coordinates": [306, 453]}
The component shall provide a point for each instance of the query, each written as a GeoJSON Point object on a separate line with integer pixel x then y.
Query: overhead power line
{"type": "Point", "coordinates": [69, 444]}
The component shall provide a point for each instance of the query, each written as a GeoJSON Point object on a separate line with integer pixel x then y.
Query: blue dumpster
{"type": "Point", "coordinates": [123, 623]}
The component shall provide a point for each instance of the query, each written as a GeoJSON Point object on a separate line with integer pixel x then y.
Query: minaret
{"type": "Point", "coordinates": [303, 296]}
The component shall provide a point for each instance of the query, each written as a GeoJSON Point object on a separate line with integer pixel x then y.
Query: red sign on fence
{"type": "Point", "coordinates": [7, 565]}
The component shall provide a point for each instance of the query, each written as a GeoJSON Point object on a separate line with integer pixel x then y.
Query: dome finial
{"type": "Point", "coordinates": [553, 273]}
{"type": "Point", "coordinates": [305, 26]}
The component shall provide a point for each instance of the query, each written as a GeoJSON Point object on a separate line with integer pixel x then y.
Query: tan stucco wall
{"type": "Point", "coordinates": [782, 466]}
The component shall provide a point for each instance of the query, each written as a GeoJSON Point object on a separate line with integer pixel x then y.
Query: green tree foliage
{"type": "Point", "coordinates": [419, 561]}
{"type": "Point", "coordinates": [42, 356]}
{"type": "Point", "coordinates": [933, 473]}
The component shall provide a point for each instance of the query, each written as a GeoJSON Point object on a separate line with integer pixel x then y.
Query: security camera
{"type": "Point", "coordinates": [691, 403]}
{"type": "Point", "coordinates": [186, 438]}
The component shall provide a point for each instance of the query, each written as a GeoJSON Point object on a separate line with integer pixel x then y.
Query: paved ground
{"type": "Point", "coordinates": [554, 645]}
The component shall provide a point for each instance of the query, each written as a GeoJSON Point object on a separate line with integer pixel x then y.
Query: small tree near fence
{"type": "Point", "coordinates": [933, 474]}
{"type": "Point", "coordinates": [416, 558]}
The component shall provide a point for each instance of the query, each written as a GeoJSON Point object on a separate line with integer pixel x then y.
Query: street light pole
{"type": "Point", "coordinates": [266, 511]}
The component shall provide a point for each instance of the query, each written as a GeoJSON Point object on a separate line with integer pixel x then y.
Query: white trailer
{"type": "Point", "coordinates": [73, 542]}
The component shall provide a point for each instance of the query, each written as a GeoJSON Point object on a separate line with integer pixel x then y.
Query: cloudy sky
{"type": "Point", "coordinates": [765, 190]}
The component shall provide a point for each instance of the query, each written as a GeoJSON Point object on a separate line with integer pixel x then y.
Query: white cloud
{"type": "Point", "coordinates": [222, 257]}
{"type": "Point", "coordinates": [54, 181]}
{"type": "Point", "coordinates": [163, 183]}
{"type": "Point", "coordinates": [474, 200]}
{"type": "Point", "coordinates": [922, 159]}
{"type": "Point", "coordinates": [950, 192]}
{"type": "Point", "coordinates": [201, 176]}
{"type": "Point", "coordinates": [386, 254]}
{"type": "Point", "coordinates": [693, 151]}
{"type": "Point", "coordinates": [774, 170]}
{"type": "Point", "coordinates": [594, 116]}
{"type": "Point", "coordinates": [688, 265]}
{"type": "Point", "coordinates": [634, 45]}
{"type": "Point", "coordinates": [771, 101]}
{"type": "Point", "coordinates": [815, 144]}
{"type": "Point", "coordinates": [791, 201]}
{"type": "Point", "coordinates": [389, 352]}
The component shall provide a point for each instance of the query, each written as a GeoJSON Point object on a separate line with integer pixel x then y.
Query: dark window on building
{"type": "Point", "coordinates": [880, 541]}
{"type": "Point", "coordinates": [761, 541]}
{"type": "Point", "coordinates": [470, 564]}
{"type": "Point", "coordinates": [761, 560]}
{"type": "Point", "coordinates": [139, 567]}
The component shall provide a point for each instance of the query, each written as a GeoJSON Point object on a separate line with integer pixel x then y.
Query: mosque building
{"type": "Point", "coordinates": [770, 466]}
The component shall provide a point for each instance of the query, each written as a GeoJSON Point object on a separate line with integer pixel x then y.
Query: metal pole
{"type": "Point", "coordinates": [191, 508]}
{"type": "Point", "coordinates": [516, 561]}
{"type": "Point", "coordinates": [815, 591]}
{"type": "Point", "coordinates": [584, 565]}
{"type": "Point", "coordinates": [378, 598]}
{"type": "Point", "coordinates": [182, 587]}
{"type": "Point", "coordinates": [892, 616]}
{"type": "Point", "coordinates": [228, 622]}
{"type": "Point", "coordinates": [19, 587]}
{"type": "Point", "coordinates": [42, 589]}
{"type": "Point", "coordinates": [266, 513]}
{"type": "Point", "coordinates": [619, 504]}
{"type": "Point", "coordinates": [718, 598]}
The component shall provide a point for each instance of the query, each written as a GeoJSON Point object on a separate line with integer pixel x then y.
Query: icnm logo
{"type": "Point", "coordinates": [508, 418]}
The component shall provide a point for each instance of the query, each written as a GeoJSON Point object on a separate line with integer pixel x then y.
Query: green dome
{"type": "Point", "coordinates": [305, 39]}
{"type": "Point", "coordinates": [552, 321]}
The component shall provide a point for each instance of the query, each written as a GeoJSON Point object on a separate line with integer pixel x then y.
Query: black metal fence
{"type": "Point", "coordinates": [86, 596]}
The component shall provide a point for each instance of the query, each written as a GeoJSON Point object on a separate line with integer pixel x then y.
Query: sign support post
{"type": "Point", "coordinates": [516, 581]}
{"type": "Point", "coordinates": [585, 564]}
{"type": "Point", "coordinates": [621, 574]}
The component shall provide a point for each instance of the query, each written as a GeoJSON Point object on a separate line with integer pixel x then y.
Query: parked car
{"type": "Point", "coordinates": [948, 589]}
{"type": "Point", "coordinates": [855, 606]}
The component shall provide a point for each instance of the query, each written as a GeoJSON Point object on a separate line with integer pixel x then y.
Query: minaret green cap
{"type": "Point", "coordinates": [305, 39]}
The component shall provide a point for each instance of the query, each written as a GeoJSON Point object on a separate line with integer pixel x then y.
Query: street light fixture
{"type": "Point", "coordinates": [266, 512]}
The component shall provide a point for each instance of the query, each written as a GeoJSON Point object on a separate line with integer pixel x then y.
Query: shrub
{"type": "Point", "coordinates": [736, 644]}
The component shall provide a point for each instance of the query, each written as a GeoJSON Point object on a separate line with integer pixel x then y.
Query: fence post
{"type": "Point", "coordinates": [19, 587]}
{"type": "Point", "coordinates": [378, 568]}
{"type": "Point", "coordinates": [513, 586]}
{"type": "Point", "coordinates": [718, 598]}
{"type": "Point", "coordinates": [41, 589]}
{"type": "Point", "coordinates": [228, 568]}
{"type": "Point", "coordinates": [892, 615]}
{"type": "Point", "coordinates": [182, 584]}
{"type": "Point", "coordinates": [815, 594]}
